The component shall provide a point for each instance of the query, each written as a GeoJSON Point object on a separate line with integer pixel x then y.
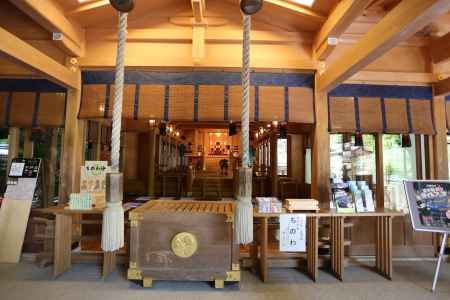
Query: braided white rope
{"type": "Point", "coordinates": [244, 209]}
{"type": "Point", "coordinates": [113, 219]}
{"type": "Point", "coordinates": [245, 92]}
{"type": "Point", "coordinates": [118, 93]}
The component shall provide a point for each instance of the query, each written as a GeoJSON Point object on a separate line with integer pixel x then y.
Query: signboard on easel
{"type": "Point", "coordinates": [429, 209]}
{"type": "Point", "coordinates": [15, 209]}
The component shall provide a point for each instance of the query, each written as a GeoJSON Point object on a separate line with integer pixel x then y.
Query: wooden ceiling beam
{"type": "Point", "coordinates": [26, 55]}
{"type": "Point", "coordinates": [198, 10]}
{"type": "Point", "coordinates": [442, 87]}
{"type": "Point", "coordinates": [298, 9]}
{"type": "Point", "coordinates": [49, 15]}
{"type": "Point", "coordinates": [399, 24]}
{"type": "Point", "coordinates": [342, 16]}
{"type": "Point", "coordinates": [440, 49]}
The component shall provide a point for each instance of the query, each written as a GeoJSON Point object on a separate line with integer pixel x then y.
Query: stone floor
{"type": "Point", "coordinates": [412, 280]}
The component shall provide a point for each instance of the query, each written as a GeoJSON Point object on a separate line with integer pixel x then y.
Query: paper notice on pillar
{"type": "Point", "coordinates": [292, 233]}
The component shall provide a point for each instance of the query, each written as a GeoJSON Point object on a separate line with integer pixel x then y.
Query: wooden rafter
{"type": "Point", "coordinates": [399, 24]}
{"type": "Point", "coordinates": [49, 15]}
{"type": "Point", "coordinates": [88, 6]}
{"type": "Point", "coordinates": [442, 87]}
{"type": "Point", "coordinates": [198, 30]}
{"type": "Point", "coordinates": [298, 9]}
{"type": "Point", "coordinates": [440, 49]}
{"type": "Point", "coordinates": [24, 54]}
{"type": "Point", "coordinates": [342, 16]}
{"type": "Point", "coordinates": [198, 10]}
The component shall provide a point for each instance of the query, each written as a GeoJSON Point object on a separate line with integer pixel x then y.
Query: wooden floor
{"type": "Point", "coordinates": [412, 281]}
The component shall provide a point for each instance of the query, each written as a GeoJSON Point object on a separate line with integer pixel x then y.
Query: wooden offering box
{"type": "Point", "coordinates": [183, 240]}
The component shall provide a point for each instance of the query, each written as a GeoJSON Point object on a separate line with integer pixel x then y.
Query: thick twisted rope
{"type": "Point", "coordinates": [244, 209]}
{"type": "Point", "coordinates": [113, 215]}
{"type": "Point", "coordinates": [246, 93]}
{"type": "Point", "coordinates": [118, 93]}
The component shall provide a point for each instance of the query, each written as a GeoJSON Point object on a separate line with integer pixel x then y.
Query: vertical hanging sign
{"type": "Point", "coordinates": [292, 233]}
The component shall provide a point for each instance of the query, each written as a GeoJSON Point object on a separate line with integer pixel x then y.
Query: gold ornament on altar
{"type": "Point", "coordinates": [184, 244]}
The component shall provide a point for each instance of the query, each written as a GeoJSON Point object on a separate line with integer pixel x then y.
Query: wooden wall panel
{"type": "Point", "coordinates": [301, 105]}
{"type": "Point", "coordinates": [271, 103]}
{"type": "Point", "coordinates": [128, 101]}
{"type": "Point", "coordinates": [22, 109]}
{"type": "Point", "coordinates": [151, 101]}
{"type": "Point", "coordinates": [51, 109]}
{"type": "Point", "coordinates": [421, 116]}
{"type": "Point", "coordinates": [342, 114]}
{"type": "Point", "coordinates": [447, 113]}
{"type": "Point", "coordinates": [396, 116]}
{"type": "Point", "coordinates": [235, 103]}
{"type": "Point", "coordinates": [181, 103]}
{"type": "Point", "coordinates": [370, 115]}
{"type": "Point", "coordinates": [3, 108]}
{"type": "Point", "coordinates": [211, 103]}
{"type": "Point", "coordinates": [93, 101]}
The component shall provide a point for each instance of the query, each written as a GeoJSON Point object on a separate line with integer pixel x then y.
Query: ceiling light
{"type": "Point", "coordinates": [303, 2]}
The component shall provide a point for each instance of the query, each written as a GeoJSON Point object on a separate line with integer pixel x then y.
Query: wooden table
{"type": "Point", "coordinates": [62, 259]}
{"type": "Point", "coordinates": [383, 254]}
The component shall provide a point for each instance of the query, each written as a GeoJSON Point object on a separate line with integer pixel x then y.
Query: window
{"type": "Point", "coordinates": [351, 162]}
{"type": "Point", "coordinates": [399, 165]}
{"type": "Point", "coordinates": [282, 159]}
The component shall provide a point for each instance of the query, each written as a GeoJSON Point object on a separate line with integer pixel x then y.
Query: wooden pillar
{"type": "Point", "coordinates": [51, 168]}
{"type": "Point", "coordinates": [98, 144]}
{"type": "Point", "coordinates": [27, 144]}
{"type": "Point", "coordinates": [152, 162]}
{"type": "Point", "coordinates": [320, 173]}
{"type": "Point", "coordinates": [274, 163]}
{"type": "Point", "coordinates": [440, 162]}
{"type": "Point", "coordinates": [379, 170]}
{"type": "Point", "coordinates": [73, 146]}
{"type": "Point", "coordinates": [13, 144]}
{"type": "Point", "coordinates": [297, 157]}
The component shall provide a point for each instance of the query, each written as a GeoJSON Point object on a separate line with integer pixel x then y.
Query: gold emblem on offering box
{"type": "Point", "coordinates": [184, 244]}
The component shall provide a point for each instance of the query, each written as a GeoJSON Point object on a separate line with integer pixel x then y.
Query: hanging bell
{"type": "Point", "coordinates": [250, 7]}
{"type": "Point", "coordinates": [123, 6]}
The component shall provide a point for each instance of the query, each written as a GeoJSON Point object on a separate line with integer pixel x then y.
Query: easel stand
{"type": "Point", "coordinates": [441, 255]}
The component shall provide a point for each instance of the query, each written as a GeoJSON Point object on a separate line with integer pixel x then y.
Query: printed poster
{"type": "Point", "coordinates": [429, 204]}
{"type": "Point", "coordinates": [93, 181]}
{"type": "Point", "coordinates": [292, 233]}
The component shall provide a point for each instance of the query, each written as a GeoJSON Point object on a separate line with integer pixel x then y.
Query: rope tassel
{"type": "Point", "coordinates": [113, 218]}
{"type": "Point", "coordinates": [244, 209]}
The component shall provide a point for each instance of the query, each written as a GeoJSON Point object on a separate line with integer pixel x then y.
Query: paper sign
{"type": "Point", "coordinates": [292, 233]}
{"type": "Point", "coordinates": [93, 181]}
{"type": "Point", "coordinates": [16, 169]}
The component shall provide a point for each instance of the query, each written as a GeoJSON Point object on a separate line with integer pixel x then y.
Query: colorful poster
{"type": "Point", "coordinates": [429, 205]}
{"type": "Point", "coordinates": [292, 233]}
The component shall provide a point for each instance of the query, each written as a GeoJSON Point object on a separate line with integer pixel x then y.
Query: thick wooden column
{"type": "Point", "coordinates": [27, 144]}
{"type": "Point", "coordinates": [73, 146]}
{"type": "Point", "coordinates": [152, 162]}
{"type": "Point", "coordinates": [13, 145]}
{"type": "Point", "coordinates": [98, 144]}
{"type": "Point", "coordinates": [320, 173]}
{"type": "Point", "coordinates": [274, 164]}
{"type": "Point", "coordinates": [379, 170]}
{"type": "Point", "coordinates": [50, 168]}
{"type": "Point", "coordinates": [440, 161]}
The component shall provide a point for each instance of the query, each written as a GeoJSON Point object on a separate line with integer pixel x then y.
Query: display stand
{"type": "Point", "coordinates": [429, 208]}
{"type": "Point", "coordinates": [441, 256]}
